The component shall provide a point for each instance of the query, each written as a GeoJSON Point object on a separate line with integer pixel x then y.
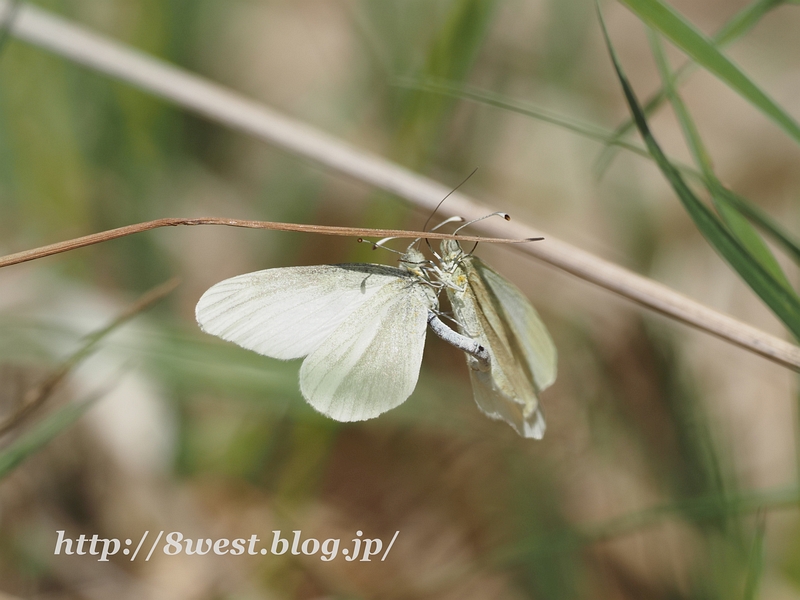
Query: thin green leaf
{"type": "Point", "coordinates": [740, 24]}
{"type": "Point", "coordinates": [738, 225]}
{"type": "Point", "coordinates": [744, 21]}
{"type": "Point", "coordinates": [38, 395]}
{"type": "Point", "coordinates": [764, 222]}
{"type": "Point", "coordinates": [683, 34]}
{"type": "Point", "coordinates": [586, 130]}
{"type": "Point", "coordinates": [758, 217]}
{"type": "Point", "coordinates": [451, 56]}
{"type": "Point", "coordinates": [420, 123]}
{"type": "Point", "coordinates": [7, 22]}
{"type": "Point", "coordinates": [492, 99]}
{"type": "Point", "coordinates": [755, 568]}
{"type": "Point", "coordinates": [785, 305]}
{"type": "Point", "coordinates": [40, 435]}
{"type": "Point", "coordinates": [703, 508]}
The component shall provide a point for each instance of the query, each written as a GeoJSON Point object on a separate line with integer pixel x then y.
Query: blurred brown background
{"type": "Point", "coordinates": [201, 437]}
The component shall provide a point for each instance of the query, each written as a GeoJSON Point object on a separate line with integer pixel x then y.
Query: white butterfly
{"type": "Point", "coordinates": [522, 357]}
{"type": "Point", "coordinates": [361, 328]}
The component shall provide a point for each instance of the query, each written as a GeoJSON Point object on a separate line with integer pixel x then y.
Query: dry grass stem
{"type": "Point", "coordinates": [112, 234]}
{"type": "Point", "coordinates": [224, 106]}
{"type": "Point", "coordinates": [39, 394]}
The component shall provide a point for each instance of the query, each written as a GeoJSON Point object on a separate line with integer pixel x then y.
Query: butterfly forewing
{"type": "Point", "coordinates": [287, 312]}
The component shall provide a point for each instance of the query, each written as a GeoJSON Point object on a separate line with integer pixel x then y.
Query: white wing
{"type": "Point", "coordinates": [288, 312]}
{"type": "Point", "coordinates": [506, 390]}
{"type": "Point", "coordinates": [522, 355]}
{"type": "Point", "coordinates": [498, 406]}
{"type": "Point", "coordinates": [524, 326]}
{"type": "Point", "coordinates": [370, 362]}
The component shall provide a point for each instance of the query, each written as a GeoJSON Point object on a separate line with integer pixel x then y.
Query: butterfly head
{"type": "Point", "coordinates": [451, 254]}
{"type": "Point", "coordinates": [415, 263]}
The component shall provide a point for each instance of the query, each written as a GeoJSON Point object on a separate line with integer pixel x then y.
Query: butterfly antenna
{"type": "Point", "coordinates": [381, 244]}
{"type": "Point", "coordinates": [505, 215]}
{"type": "Point", "coordinates": [450, 193]}
{"type": "Point", "coordinates": [446, 221]}
{"type": "Point", "coordinates": [455, 219]}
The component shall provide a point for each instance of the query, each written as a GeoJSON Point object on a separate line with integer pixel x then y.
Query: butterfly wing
{"type": "Point", "coordinates": [525, 331]}
{"type": "Point", "coordinates": [522, 355]}
{"type": "Point", "coordinates": [370, 362]}
{"type": "Point", "coordinates": [288, 312]}
{"type": "Point", "coordinates": [504, 407]}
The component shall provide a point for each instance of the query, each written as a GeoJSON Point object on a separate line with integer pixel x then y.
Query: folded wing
{"type": "Point", "coordinates": [523, 356]}
{"type": "Point", "coordinates": [499, 405]}
{"type": "Point", "coordinates": [525, 329]}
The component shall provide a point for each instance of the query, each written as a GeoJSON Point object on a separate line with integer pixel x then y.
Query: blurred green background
{"type": "Point", "coordinates": [670, 464]}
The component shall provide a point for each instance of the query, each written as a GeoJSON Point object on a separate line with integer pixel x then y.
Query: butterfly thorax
{"type": "Point", "coordinates": [451, 272]}
{"type": "Point", "coordinates": [453, 275]}
{"type": "Point", "coordinates": [414, 262]}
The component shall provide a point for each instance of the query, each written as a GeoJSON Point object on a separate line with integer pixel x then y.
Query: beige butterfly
{"type": "Point", "coordinates": [497, 315]}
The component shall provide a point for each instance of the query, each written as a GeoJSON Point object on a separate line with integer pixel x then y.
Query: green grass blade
{"type": "Point", "coordinates": [740, 24]}
{"type": "Point", "coordinates": [702, 508]}
{"type": "Point", "coordinates": [785, 305]}
{"type": "Point", "coordinates": [744, 21]}
{"type": "Point", "coordinates": [764, 222]}
{"type": "Point", "coordinates": [586, 130]}
{"type": "Point", "coordinates": [7, 21]}
{"type": "Point", "coordinates": [40, 435]}
{"type": "Point", "coordinates": [685, 36]}
{"type": "Point", "coordinates": [699, 509]}
{"type": "Point", "coordinates": [37, 396]}
{"type": "Point", "coordinates": [748, 236]}
{"type": "Point", "coordinates": [462, 37]}
{"type": "Point", "coordinates": [737, 223]}
{"type": "Point", "coordinates": [756, 216]}
{"type": "Point", "coordinates": [451, 56]}
{"type": "Point", "coordinates": [421, 122]}
{"type": "Point", "coordinates": [755, 568]}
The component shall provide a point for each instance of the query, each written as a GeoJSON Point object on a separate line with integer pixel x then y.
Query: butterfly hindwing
{"type": "Point", "coordinates": [525, 330]}
{"type": "Point", "coordinates": [370, 363]}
